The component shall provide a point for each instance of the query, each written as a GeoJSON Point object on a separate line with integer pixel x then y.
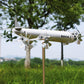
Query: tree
{"type": "Point", "coordinates": [32, 12]}
{"type": "Point", "coordinates": [65, 15]}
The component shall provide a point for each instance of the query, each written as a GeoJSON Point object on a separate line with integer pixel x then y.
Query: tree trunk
{"type": "Point", "coordinates": [62, 54]}
{"type": "Point", "coordinates": [27, 58]}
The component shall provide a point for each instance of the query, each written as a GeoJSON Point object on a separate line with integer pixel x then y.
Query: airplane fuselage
{"type": "Point", "coordinates": [52, 35]}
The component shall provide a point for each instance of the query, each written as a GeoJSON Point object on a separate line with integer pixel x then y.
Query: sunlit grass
{"type": "Point", "coordinates": [14, 73]}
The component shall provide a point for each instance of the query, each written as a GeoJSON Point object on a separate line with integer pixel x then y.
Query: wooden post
{"type": "Point", "coordinates": [43, 58]}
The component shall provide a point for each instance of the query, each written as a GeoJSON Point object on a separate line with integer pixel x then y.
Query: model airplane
{"type": "Point", "coordinates": [48, 35]}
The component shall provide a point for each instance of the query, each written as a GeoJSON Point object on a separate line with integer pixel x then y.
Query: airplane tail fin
{"type": "Point", "coordinates": [16, 23]}
{"type": "Point", "coordinates": [17, 27]}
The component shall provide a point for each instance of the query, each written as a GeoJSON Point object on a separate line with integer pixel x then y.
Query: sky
{"type": "Point", "coordinates": [72, 51]}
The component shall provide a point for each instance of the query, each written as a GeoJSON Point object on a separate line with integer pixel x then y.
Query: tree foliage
{"type": "Point", "coordinates": [36, 13]}
{"type": "Point", "coordinates": [66, 13]}
{"type": "Point", "coordinates": [32, 13]}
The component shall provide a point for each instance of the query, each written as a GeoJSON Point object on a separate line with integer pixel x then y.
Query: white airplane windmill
{"type": "Point", "coordinates": [48, 35]}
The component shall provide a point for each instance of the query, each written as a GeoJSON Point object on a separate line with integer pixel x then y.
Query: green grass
{"type": "Point", "coordinates": [15, 73]}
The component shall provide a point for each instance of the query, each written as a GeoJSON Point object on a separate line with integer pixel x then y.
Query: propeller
{"type": "Point", "coordinates": [79, 39]}
{"type": "Point", "coordinates": [20, 43]}
{"type": "Point", "coordinates": [79, 36]}
{"type": "Point", "coordinates": [46, 43]}
{"type": "Point", "coordinates": [25, 42]}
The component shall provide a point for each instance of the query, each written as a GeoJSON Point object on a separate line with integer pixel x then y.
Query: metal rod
{"type": "Point", "coordinates": [43, 58]}
{"type": "Point", "coordinates": [62, 54]}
